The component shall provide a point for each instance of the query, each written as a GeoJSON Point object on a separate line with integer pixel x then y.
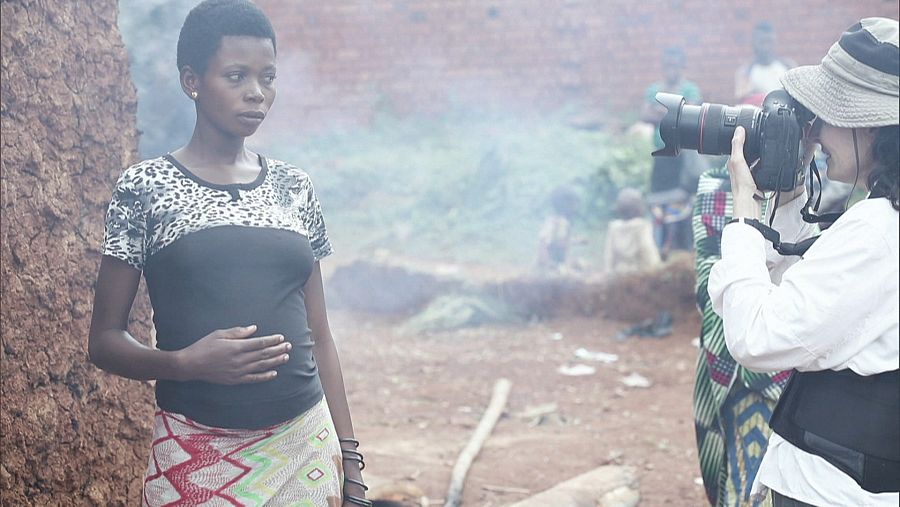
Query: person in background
{"type": "Point", "coordinates": [672, 63]}
{"type": "Point", "coordinates": [555, 236]}
{"type": "Point", "coordinates": [833, 318]}
{"type": "Point", "coordinates": [754, 80]}
{"type": "Point", "coordinates": [629, 244]}
{"type": "Point", "coordinates": [668, 198]}
{"type": "Point", "coordinates": [251, 407]}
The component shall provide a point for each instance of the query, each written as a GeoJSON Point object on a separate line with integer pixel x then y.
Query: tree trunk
{"type": "Point", "coordinates": [71, 435]}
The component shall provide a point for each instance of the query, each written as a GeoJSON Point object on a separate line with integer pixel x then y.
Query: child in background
{"type": "Point", "coordinates": [556, 232]}
{"type": "Point", "coordinates": [629, 238]}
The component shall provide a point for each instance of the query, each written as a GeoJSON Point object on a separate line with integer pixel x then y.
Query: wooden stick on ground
{"type": "Point", "coordinates": [468, 454]}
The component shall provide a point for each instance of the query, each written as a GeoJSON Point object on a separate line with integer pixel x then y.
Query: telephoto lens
{"type": "Point", "coordinates": [773, 134]}
{"type": "Point", "coordinates": [707, 128]}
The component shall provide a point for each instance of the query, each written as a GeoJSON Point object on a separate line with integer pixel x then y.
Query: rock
{"type": "Point", "coordinates": [607, 486]}
{"type": "Point", "coordinates": [620, 497]}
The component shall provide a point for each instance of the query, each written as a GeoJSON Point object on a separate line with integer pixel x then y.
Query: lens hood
{"type": "Point", "coordinates": [668, 127]}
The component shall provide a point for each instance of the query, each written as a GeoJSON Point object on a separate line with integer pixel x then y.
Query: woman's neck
{"type": "Point", "coordinates": [213, 147]}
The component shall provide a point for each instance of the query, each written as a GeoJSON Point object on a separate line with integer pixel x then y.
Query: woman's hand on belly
{"type": "Point", "coordinates": [230, 356]}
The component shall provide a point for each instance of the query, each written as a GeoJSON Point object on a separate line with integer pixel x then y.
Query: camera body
{"type": "Point", "coordinates": [773, 135]}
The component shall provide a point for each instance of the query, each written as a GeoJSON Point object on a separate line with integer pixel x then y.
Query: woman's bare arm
{"type": "Point", "coordinates": [110, 346]}
{"type": "Point", "coordinates": [330, 374]}
{"type": "Point", "coordinates": [225, 356]}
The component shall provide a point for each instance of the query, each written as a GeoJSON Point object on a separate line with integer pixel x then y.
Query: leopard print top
{"type": "Point", "coordinates": [158, 201]}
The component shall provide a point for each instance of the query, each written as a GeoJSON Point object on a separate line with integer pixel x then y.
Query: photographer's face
{"type": "Point", "coordinates": [837, 145]}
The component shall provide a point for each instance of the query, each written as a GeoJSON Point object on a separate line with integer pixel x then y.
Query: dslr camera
{"type": "Point", "coordinates": [773, 135]}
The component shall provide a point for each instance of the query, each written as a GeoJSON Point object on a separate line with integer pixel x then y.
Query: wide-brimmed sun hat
{"type": "Point", "coordinates": [858, 82]}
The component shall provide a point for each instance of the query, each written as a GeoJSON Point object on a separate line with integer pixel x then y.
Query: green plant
{"type": "Point", "coordinates": [463, 187]}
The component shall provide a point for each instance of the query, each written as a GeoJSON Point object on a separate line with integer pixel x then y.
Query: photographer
{"type": "Point", "coordinates": [834, 316]}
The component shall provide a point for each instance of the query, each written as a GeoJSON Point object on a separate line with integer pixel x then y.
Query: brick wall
{"type": "Point", "coordinates": [341, 61]}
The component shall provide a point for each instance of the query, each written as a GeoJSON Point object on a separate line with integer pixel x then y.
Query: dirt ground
{"type": "Point", "coordinates": [417, 399]}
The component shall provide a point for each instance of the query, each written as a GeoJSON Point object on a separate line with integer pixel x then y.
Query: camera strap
{"type": "Point", "coordinates": [774, 237]}
{"type": "Point", "coordinates": [801, 247]}
{"type": "Point", "coordinates": [808, 215]}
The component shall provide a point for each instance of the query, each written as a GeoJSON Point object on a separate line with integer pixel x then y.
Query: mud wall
{"type": "Point", "coordinates": [71, 435]}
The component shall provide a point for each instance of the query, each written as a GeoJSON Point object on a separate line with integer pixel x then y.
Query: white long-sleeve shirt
{"type": "Point", "coordinates": [838, 308]}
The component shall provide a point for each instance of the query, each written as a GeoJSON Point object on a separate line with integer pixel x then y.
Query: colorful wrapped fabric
{"type": "Point", "coordinates": [732, 405]}
{"type": "Point", "coordinates": [297, 463]}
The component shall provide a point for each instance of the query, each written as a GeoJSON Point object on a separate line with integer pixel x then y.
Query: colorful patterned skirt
{"type": "Point", "coordinates": [297, 463]}
{"type": "Point", "coordinates": [732, 405]}
{"type": "Point", "coordinates": [745, 434]}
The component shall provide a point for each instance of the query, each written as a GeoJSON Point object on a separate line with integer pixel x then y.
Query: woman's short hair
{"type": "Point", "coordinates": [211, 20]}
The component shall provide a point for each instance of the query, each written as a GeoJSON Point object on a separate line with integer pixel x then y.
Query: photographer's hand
{"type": "Point", "coordinates": [809, 152]}
{"type": "Point", "coordinates": [743, 188]}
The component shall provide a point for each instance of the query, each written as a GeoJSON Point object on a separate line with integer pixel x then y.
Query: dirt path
{"type": "Point", "coordinates": [417, 399]}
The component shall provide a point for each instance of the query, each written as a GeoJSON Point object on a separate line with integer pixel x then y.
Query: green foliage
{"type": "Point", "coordinates": [627, 163]}
{"type": "Point", "coordinates": [464, 187]}
{"type": "Point", "coordinates": [457, 311]}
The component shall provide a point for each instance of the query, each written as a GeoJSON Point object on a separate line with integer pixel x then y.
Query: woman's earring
{"type": "Point", "coordinates": [194, 95]}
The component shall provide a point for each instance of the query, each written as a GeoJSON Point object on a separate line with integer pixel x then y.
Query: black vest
{"type": "Point", "coordinates": [850, 420]}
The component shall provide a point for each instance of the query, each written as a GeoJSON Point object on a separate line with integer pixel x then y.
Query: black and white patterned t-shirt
{"type": "Point", "coordinates": [159, 200]}
{"type": "Point", "coordinates": [219, 256]}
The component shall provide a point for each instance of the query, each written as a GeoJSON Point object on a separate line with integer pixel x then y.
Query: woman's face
{"type": "Point", "coordinates": [837, 145]}
{"type": "Point", "coordinates": [238, 88]}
